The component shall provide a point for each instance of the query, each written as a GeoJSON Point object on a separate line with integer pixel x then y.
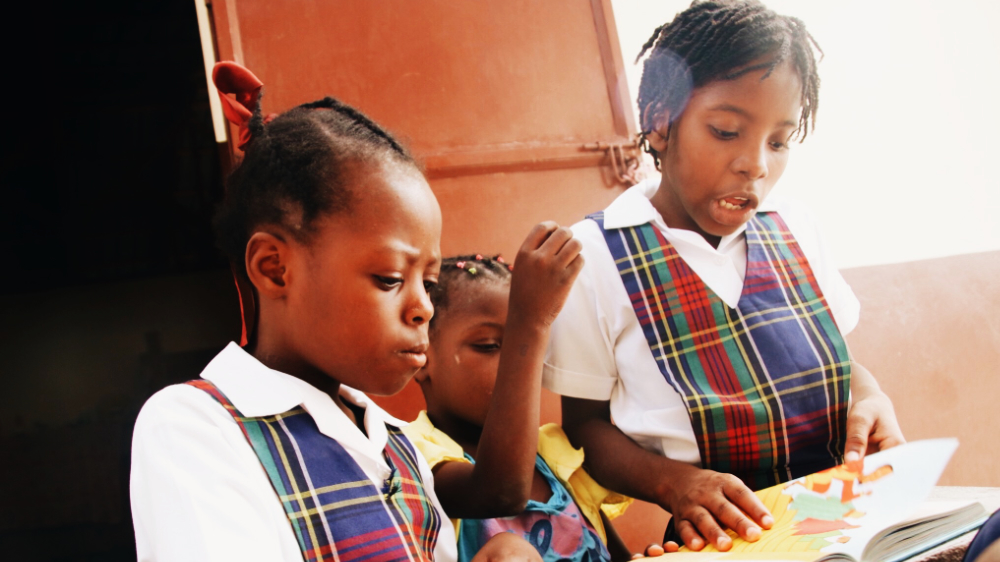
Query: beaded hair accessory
{"type": "Point", "coordinates": [472, 270]}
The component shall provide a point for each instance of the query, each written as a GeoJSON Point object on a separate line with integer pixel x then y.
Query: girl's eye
{"type": "Point", "coordinates": [429, 285]}
{"type": "Point", "coordinates": [778, 145]}
{"type": "Point", "coordinates": [724, 135]}
{"type": "Point", "coordinates": [487, 347]}
{"type": "Point", "coordinates": [387, 283]}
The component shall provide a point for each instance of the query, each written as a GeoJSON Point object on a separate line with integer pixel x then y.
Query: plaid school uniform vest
{"type": "Point", "coordinates": [766, 383]}
{"type": "Point", "coordinates": [334, 509]}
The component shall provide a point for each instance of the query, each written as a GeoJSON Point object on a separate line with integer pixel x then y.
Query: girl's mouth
{"type": "Point", "coordinates": [734, 203]}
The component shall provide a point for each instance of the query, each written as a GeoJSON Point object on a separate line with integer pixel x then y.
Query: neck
{"type": "Point", "coordinates": [670, 208]}
{"type": "Point", "coordinates": [274, 356]}
{"type": "Point", "coordinates": [464, 433]}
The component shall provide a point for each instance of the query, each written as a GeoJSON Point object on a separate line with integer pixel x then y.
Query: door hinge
{"type": "Point", "coordinates": [625, 160]}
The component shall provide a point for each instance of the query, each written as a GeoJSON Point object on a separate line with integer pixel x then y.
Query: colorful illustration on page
{"type": "Point", "coordinates": [813, 512]}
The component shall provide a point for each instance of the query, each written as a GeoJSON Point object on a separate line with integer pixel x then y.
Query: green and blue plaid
{"type": "Point", "coordinates": [766, 383]}
{"type": "Point", "coordinates": [334, 509]}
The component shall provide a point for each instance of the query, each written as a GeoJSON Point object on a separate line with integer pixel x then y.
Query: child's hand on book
{"type": "Point", "coordinates": [546, 266]}
{"type": "Point", "coordinates": [704, 503]}
{"type": "Point", "coordinates": [871, 427]}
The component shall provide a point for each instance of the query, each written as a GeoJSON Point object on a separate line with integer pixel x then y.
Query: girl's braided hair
{"type": "Point", "coordinates": [296, 168]}
{"type": "Point", "coordinates": [721, 40]}
{"type": "Point", "coordinates": [459, 270]}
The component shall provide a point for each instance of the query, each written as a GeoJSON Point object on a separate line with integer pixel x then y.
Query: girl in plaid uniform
{"type": "Point", "coordinates": [276, 453]}
{"type": "Point", "coordinates": [708, 321]}
{"type": "Point", "coordinates": [495, 471]}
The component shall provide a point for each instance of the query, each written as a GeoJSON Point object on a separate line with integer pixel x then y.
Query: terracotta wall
{"type": "Point", "coordinates": [930, 333]}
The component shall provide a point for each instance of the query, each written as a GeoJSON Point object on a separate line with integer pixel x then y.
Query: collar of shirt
{"type": "Point", "coordinates": [633, 208]}
{"type": "Point", "coordinates": [256, 390]}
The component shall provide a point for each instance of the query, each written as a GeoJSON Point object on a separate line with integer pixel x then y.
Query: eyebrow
{"type": "Point", "coordinates": [744, 113]}
{"type": "Point", "coordinates": [412, 254]}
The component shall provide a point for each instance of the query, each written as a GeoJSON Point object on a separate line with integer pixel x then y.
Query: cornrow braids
{"type": "Point", "coordinates": [460, 270]}
{"type": "Point", "coordinates": [721, 40]}
{"type": "Point", "coordinates": [296, 168]}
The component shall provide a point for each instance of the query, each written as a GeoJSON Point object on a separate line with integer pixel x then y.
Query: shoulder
{"type": "Point", "coordinates": [181, 405]}
{"type": "Point", "coordinates": [179, 421]}
{"type": "Point", "coordinates": [434, 444]}
{"type": "Point", "coordinates": [843, 302]}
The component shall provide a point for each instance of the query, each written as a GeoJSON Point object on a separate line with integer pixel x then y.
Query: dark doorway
{"type": "Point", "coordinates": [109, 176]}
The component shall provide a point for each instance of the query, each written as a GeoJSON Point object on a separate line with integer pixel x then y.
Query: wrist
{"type": "Point", "coordinates": [530, 321]}
{"type": "Point", "coordinates": [671, 473]}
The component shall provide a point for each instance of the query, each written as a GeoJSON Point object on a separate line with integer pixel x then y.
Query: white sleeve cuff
{"type": "Point", "coordinates": [577, 385]}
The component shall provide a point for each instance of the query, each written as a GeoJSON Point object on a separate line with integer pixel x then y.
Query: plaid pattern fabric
{"type": "Point", "coordinates": [334, 509]}
{"type": "Point", "coordinates": [766, 383]}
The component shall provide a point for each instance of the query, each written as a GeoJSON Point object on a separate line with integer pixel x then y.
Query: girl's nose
{"type": "Point", "coordinates": [420, 310]}
{"type": "Point", "coordinates": [753, 162]}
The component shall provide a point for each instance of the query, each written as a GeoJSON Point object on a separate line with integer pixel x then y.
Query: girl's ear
{"type": "Point", "coordinates": [267, 264]}
{"type": "Point", "coordinates": [660, 132]}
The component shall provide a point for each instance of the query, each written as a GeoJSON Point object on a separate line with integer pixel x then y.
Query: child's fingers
{"type": "Point", "coordinates": [654, 550]}
{"type": "Point", "coordinates": [538, 235]}
{"type": "Point", "coordinates": [556, 241]}
{"type": "Point", "coordinates": [733, 518]}
{"type": "Point", "coordinates": [859, 427]}
{"type": "Point", "coordinates": [671, 546]}
{"type": "Point", "coordinates": [569, 252]}
{"type": "Point", "coordinates": [746, 502]}
{"type": "Point", "coordinates": [690, 535]}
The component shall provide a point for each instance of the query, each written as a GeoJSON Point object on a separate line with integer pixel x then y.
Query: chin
{"type": "Point", "coordinates": [389, 388]}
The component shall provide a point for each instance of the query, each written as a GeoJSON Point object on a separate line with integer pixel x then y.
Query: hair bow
{"type": "Point", "coordinates": [233, 79]}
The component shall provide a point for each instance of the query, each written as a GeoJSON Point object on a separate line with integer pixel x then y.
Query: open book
{"type": "Point", "coordinates": [876, 515]}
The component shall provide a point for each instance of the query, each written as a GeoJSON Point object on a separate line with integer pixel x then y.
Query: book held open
{"type": "Point", "coordinates": [877, 514]}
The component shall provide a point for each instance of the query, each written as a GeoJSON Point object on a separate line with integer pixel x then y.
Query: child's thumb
{"type": "Point", "coordinates": [858, 429]}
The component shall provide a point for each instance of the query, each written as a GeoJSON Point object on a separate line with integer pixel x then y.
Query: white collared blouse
{"type": "Point", "coordinates": [597, 350]}
{"type": "Point", "coordinates": [198, 489]}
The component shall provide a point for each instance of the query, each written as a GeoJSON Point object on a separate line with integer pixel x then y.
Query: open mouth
{"type": "Point", "coordinates": [734, 203]}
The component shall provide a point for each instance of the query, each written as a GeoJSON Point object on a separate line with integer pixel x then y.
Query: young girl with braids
{"type": "Point", "coordinates": [701, 353]}
{"type": "Point", "coordinates": [276, 453]}
{"type": "Point", "coordinates": [482, 384]}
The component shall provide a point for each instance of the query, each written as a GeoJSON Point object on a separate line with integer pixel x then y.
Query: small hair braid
{"type": "Point", "coordinates": [458, 270]}
{"type": "Point", "coordinates": [295, 168]}
{"type": "Point", "coordinates": [719, 40]}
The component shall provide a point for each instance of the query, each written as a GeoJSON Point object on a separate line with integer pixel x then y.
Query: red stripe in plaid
{"type": "Point", "coordinates": [742, 371]}
{"type": "Point", "coordinates": [306, 468]}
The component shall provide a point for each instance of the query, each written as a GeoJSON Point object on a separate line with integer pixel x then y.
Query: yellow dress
{"type": "Point", "coordinates": [565, 461]}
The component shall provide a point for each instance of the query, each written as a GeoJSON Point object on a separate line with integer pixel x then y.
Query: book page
{"type": "Point", "coordinates": [840, 510]}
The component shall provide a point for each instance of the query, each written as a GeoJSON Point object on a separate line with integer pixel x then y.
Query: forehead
{"type": "Point", "coordinates": [392, 211]}
{"type": "Point", "coordinates": [778, 97]}
{"type": "Point", "coordinates": [475, 300]}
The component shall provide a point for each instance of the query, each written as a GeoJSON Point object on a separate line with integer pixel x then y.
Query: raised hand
{"type": "Point", "coordinates": [546, 266]}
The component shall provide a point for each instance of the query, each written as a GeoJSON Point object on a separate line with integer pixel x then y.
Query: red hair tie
{"type": "Point", "coordinates": [239, 91]}
{"type": "Point", "coordinates": [233, 79]}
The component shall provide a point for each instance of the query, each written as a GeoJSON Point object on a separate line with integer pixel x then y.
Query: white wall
{"type": "Point", "coordinates": [903, 164]}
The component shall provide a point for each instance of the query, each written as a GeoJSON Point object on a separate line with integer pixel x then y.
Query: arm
{"type": "Point", "coordinates": [871, 421]}
{"type": "Point", "coordinates": [500, 482]}
{"type": "Point", "coordinates": [699, 499]}
{"type": "Point", "coordinates": [507, 546]}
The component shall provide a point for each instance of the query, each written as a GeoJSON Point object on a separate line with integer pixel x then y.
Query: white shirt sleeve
{"type": "Point", "coordinates": [198, 491]}
{"type": "Point", "coordinates": [580, 360]}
